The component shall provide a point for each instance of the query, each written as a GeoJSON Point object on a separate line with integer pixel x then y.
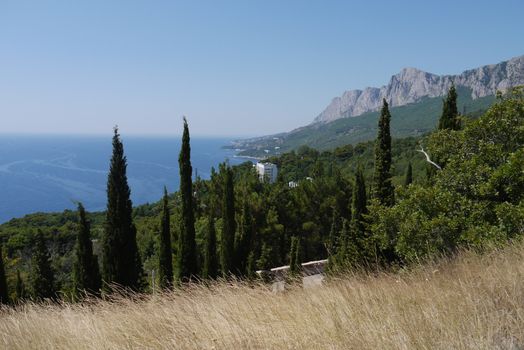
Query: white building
{"type": "Point", "coordinates": [267, 172]}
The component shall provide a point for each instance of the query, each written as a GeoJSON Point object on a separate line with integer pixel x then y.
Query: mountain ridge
{"type": "Point", "coordinates": [411, 84]}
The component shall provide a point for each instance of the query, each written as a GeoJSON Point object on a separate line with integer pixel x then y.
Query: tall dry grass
{"type": "Point", "coordinates": [471, 302]}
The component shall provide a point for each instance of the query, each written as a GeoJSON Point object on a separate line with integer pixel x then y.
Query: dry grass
{"type": "Point", "coordinates": [472, 302]}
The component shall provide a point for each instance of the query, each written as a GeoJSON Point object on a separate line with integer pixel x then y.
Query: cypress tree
{"type": "Point", "coordinates": [349, 252]}
{"type": "Point", "coordinates": [356, 247]}
{"type": "Point", "coordinates": [120, 258]}
{"type": "Point", "coordinates": [449, 118]}
{"type": "Point", "coordinates": [243, 239]}
{"type": "Point", "coordinates": [86, 275]}
{"type": "Point", "coordinates": [20, 287]}
{"type": "Point", "coordinates": [210, 267]}
{"type": "Point", "coordinates": [293, 268]}
{"type": "Point", "coordinates": [228, 221]}
{"type": "Point", "coordinates": [409, 175]}
{"type": "Point", "coordinates": [251, 262]}
{"type": "Point", "coordinates": [359, 202]}
{"type": "Point", "coordinates": [41, 276]}
{"type": "Point", "coordinates": [333, 239]}
{"type": "Point", "coordinates": [382, 178]}
{"type": "Point", "coordinates": [187, 262]}
{"type": "Point", "coordinates": [4, 294]}
{"type": "Point", "coordinates": [295, 257]}
{"type": "Point", "coordinates": [165, 257]}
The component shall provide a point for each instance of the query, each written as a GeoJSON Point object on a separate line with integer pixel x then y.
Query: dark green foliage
{"type": "Point", "coordinates": [20, 292]}
{"type": "Point", "coordinates": [4, 293]}
{"type": "Point", "coordinates": [210, 265]}
{"type": "Point", "coordinates": [121, 263]}
{"type": "Point", "coordinates": [349, 251]}
{"type": "Point", "coordinates": [408, 180]}
{"type": "Point", "coordinates": [251, 271]}
{"type": "Point", "coordinates": [187, 260]}
{"type": "Point", "coordinates": [265, 260]}
{"type": "Point", "coordinates": [165, 257]}
{"type": "Point", "coordinates": [352, 248]}
{"type": "Point", "coordinates": [449, 120]}
{"type": "Point", "coordinates": [383, 188]}
{"type": "Point", "coordinates": [295, 256]}
{"type": "Point", "coordinates": [42, 277]}
{"type": "Point", "coordinates": [475, 200]}
{"type": "Point", "coordinates": [336, 225]}
{"type": "Point", "coordinates": [411, 120]}
{"type": "Point", "coordinates": [359, 203]}
{"type": "Point", "coordinates": [243, 239]}
{"type": "Point", "coordinates": [228, 223]}
{"type": "Point", "coordinates": [86, 274]}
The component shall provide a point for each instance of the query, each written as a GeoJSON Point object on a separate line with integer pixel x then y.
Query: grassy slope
{"type": "Point", "coordinates": [471, 302]}
{"type": "Point", "coordinates": [409, 120]}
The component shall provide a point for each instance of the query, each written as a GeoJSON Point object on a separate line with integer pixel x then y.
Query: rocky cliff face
{"type": "Point", "coordinates": [411, 84]}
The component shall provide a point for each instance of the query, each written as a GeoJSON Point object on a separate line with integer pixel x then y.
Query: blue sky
{"type": "Point", "coordinates": [232, 67]}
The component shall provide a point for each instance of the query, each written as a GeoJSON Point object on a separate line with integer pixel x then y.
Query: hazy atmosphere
{"type": "Point", "coordinates": [235, 68]}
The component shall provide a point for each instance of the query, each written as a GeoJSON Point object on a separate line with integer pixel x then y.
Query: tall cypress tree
{"type": "Point", "coordinates": [382, 178]}
{"type": "Point", "coordinates": [42, 277]}
{"type": "Point", "coordinates": [228, 222]}
{"type": "Point", "coordinates": [333, 239]}
{"type": "Point", "coordinates": [295, 257]}
{"type": "Point", "coordinates": [20, 287]}
{"type": "Point", "coordinates": [187, 262]}
{"type": "Point", "coordinates": [450, 117]}
{"type": "Point", "coordinates": [409, 175]}
{"type": "Point", "coordinates": [210, 266]}
{"type": "Point", "coordinates": [4, 294]}
{"type": "Point", "coordinates": [165, 257]}
{"type": "Point", "coordinates": [86, 275]}
{"type": "Point", "coordinates": [349, 252]}
{"type": "Point", "coordinates": [243, 239]}
{"type": "Point", "coordinates": [359, 201]}
{"type": "Point", "coordinates": [120, 258]}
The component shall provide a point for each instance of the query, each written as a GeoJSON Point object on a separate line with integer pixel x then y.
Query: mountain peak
{"type": "Point", "coordinates": [411, 84]}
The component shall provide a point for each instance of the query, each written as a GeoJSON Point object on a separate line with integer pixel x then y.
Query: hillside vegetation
{"type": "Point", "coordinates": [414, 119]}
{"type": "Point", "coordinates": [475, 200]}
{"type": "Point", "coordinates": [471, 302]}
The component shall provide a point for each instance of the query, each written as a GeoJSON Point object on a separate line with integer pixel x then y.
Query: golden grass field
{"type": "Point", "coordinates": [469, 302]}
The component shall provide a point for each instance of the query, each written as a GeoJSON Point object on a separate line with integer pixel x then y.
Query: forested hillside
{"type": "Point", "coordinates": [415, 119]}
{"type": "Point", "coordinates": [340, 208]}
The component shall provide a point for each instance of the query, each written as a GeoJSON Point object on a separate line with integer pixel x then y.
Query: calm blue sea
{"type": "Point", "coordinates": [51, 173]}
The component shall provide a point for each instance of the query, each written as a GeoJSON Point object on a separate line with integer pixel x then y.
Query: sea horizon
{"type": "Point", "coordinates": [51, 173]}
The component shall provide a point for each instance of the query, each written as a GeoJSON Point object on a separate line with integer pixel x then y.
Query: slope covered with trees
{"type": "Point", "coordinates": [474, 198]}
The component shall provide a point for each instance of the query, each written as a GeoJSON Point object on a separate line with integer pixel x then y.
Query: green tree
{"type": "Point", "coordinates": [450, 117]}
{"type": "Point", "coordinates": [86, 274]}
{"type": "Point", "coordinates": [4, 294]}
{"type": "Point", "coordinates": [228, 223]}
{"type": "Point", "coordinates": [42, 277]}
{"type": "Point", "coordinates": [333, 239]}
{"type": "Point", "coordinates": [20, 287]}
{"type": "Point", "coordinates": [243, 239]}
{"type": "Point", "coordinates": [186, 258]}
{"type": "Point", "coordinates": [295, 258]}
{"type": "Point", "coordinates": [210, 267]}
{"type": "Point", "coordinates": [408, 179]}
{"type": "Point", "coordinates": [383, 187]}
{"type": "Point", "coordinates": [121, 263]}
{"type": "Point", "coordinates": [348, 253]}
{"type": "Point", "coordinates": [165, 256]}
{"type": "Point", "coordinates": [359, 203]}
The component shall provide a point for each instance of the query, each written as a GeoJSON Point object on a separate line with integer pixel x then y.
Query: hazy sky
{"type": "Point", "coordinates": [232, 67]}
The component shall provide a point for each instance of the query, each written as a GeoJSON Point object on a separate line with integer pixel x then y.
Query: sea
{"type": "Point", "coordinates": [53, 173]}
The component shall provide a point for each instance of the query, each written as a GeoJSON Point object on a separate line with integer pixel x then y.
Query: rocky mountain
{"type": "Point", "coordinates": [411, 85]}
